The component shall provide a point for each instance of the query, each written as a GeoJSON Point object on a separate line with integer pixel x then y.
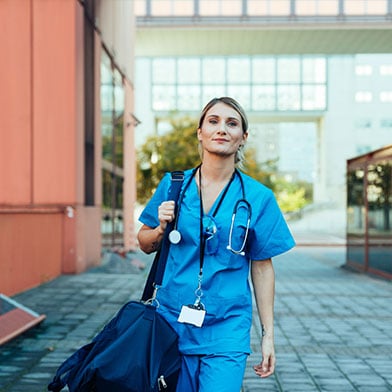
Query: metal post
{"type": "Point", "coordinates": [148, 8]}
{"type": "Point", "coordinates": [244, 7]}
{"type": "Point", "coordinates": [292, 8]}
{"type": "Point", "coordinates": [341, 8]}
{"type": "Point", "coordinates": [196, 10]}
{"type": "Point", "coordinates": [112, 174]}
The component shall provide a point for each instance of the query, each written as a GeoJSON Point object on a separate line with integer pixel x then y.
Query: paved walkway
{"type": "Point", "coordinates": [333, 327]}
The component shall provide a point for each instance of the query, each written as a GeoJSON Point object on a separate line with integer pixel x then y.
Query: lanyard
{"type": "Point", "coordinates": [198, 291]}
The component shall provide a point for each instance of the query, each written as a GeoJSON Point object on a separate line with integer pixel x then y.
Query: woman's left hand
{"type": "Point", "coordinates": [267, 366]}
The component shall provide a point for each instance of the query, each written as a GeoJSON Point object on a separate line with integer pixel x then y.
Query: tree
{"type": "Point", "coordinates": [175, 150]}
{"type": "Point", "coordinates": [178, 150]}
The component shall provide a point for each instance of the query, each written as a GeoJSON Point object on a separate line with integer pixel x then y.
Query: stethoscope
{"type": "Point", "coordinates": [237, 206]}
{"type": "Point", "coordinates": [175, 235]}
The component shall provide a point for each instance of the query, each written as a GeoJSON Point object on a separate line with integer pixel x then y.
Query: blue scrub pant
{"type": "Point", "coordinates": [214, 372]}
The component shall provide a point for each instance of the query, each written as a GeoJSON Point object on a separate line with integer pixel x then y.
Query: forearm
{"type": "Point", "coordinates": [150, 238]}
{"type": "Point", "coordinates": [263, 279]}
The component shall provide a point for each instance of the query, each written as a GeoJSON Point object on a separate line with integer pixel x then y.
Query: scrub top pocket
{"type": "Point", "coordinates": [211, 235]}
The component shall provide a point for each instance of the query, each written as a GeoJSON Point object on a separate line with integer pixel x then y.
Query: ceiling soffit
{"type": "Point", "coordinates": [278, 39]}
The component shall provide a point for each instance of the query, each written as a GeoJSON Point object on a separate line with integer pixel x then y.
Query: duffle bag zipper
{"type": "Point", "coordinates": [161, 383]}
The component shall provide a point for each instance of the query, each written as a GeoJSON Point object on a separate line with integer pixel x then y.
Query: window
{"type": "Point", "coordinates": [268, 7]}
{"type": "Point", "coordinates": [316, 7]}
{"type": "Point", "coordinates": [211, 91]}
{"type": "Point", "coordinates": [238, 70]}
{"type": "Point", "coordinates": [289, 97]}
{"type": "Point", "coordinates": [289, 70]}
{"type": "Point", "coordinates": [164, 97]}
{"type": "Point", "coordinates": [376, 7]}
{"type": "Point", "coordinates": [363, 97]}
{"type": "Point", "coordinates": [386, 70]}
{"type": "Point", "coordinates": [365, 7]}
{"type": "Point", "coordinates": [164, 71]}
{"type": "Point", "coordinates": [313, 97]}
{"type": "Point", "coordinates": [263, 70]}
{"type": "Point", "coordinates": [363, 123]}
{"type": "Point", "coordinates": [140, 7]}
{"type": "Point", "coordinates": [386, 123]}
{"type": "Point", "coordinates": [386, 96]}
{"type": "Point", "coordinates": [112, 123]}
{"type": "Point", "coordinates": [168, 8]}
{"type": "Point", "coordinates": [189, 97]}
{"type": "Point", "coordinates": [241, 94]}
{"type": "Point", "coordinates": [263, 98]}
{"type": "Point", "coordinates": [363, 70]}
{"type": "Point", "coordinates": [188, 71]}
{"type": "Point", "coordinates": [220, 7]}
{"type": "Point", "coordinates": [314, 70]}
{"type": "Point", "coordinates": [214, 70]}
{"type": "Point", "coordinates": [259, 83]}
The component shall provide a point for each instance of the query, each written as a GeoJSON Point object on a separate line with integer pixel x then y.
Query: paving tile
{"type": "Point", "coordinates": [332, 326]}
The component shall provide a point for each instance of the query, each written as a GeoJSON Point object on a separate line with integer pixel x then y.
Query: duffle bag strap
{"type": "Point", "coordinates": [157, 270]}
{"type": "Point", "coordinates": [60, 380]}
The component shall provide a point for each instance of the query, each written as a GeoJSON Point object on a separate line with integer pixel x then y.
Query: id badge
{"type": "Point", "coordinates": [191, 314]}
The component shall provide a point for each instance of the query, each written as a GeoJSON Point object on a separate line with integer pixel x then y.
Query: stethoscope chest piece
{"type": "Point", "coordinates": [174, 236]}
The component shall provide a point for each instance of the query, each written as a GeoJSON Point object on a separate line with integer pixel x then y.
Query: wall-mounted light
{"type": "Point", "coordinates": [135, 121]}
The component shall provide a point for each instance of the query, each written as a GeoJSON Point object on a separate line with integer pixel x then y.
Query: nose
{"type": "Point", "coordinates": [222, 127]}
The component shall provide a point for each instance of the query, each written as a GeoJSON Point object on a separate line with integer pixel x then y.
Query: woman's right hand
{"type": "Point", "coordinates": [166, 213]}
{"type": "Point", "coordinates": [149, 238]}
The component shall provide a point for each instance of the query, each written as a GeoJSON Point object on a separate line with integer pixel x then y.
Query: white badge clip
{"type": "Point", "coordinates": [191, 314]}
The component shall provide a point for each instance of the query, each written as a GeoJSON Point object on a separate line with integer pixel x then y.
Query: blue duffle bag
{"type": "Point", "coordinates": [137, 351]}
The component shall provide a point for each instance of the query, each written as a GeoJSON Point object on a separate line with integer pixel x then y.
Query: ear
{"type": "Point", "coordinates": [244, 138]}
{"type": "Point", "coordinates": [199, 134]}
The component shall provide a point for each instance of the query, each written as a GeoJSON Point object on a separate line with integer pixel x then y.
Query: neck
{"type": "Point", "coordinates": [217, 171]}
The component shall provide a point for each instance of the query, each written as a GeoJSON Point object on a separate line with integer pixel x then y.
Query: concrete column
{"type": "Point", "coordinates": [319, 190]}
{"type": "Point", "coordinates": [129, 169]}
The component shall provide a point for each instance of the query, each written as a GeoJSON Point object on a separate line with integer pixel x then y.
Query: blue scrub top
{"type": "Point", "coordinates": [226, 291]}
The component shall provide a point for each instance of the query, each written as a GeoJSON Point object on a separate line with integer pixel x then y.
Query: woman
{"type": "Point", "coordinates": [205, 294]}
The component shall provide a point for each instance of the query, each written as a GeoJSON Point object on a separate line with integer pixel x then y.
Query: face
{"type": "Point", "coordinates": [221, 132]}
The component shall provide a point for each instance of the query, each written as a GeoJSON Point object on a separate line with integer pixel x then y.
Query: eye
{"type": "Point", "coordinates": [233, 124]}
{"type": "Point", "coordinates": [212, 121]}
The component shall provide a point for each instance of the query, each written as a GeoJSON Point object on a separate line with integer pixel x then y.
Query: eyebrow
{"type": "Point", "coordinates": [229, 118]}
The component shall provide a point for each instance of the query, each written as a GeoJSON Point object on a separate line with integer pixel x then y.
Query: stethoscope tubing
{"type": "Point", "coordinates": [175, 235]}
{"type": "Point", "coordinates": [249, 215]}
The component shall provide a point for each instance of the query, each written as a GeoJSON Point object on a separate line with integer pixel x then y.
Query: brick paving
{"type": "Point", "coordinates": [333, 326]}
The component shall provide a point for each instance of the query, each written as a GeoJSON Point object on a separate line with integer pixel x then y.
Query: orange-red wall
{"type": "Point", "coordinates": [26, 257]}
{"type": "Point", "coordinates": [54, 93]}
{"type": "Point", "coordinates": [15, 102]}
{"type": "Point", "coordinates": [42, 145]}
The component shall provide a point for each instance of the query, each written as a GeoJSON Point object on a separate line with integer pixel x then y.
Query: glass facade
{"type": "Point", "coordinates": [356, 225]}
{"type": "Point", "coordinates": [260, 83]}
{"type": "Point", "coordinates": [379, 199]}
{"type": "Point", "coordinates": [261, 8]}
{"type": "Point", "coordinates": [369, 212]}
{"type": "Point", "coordinates": [112, 110]}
